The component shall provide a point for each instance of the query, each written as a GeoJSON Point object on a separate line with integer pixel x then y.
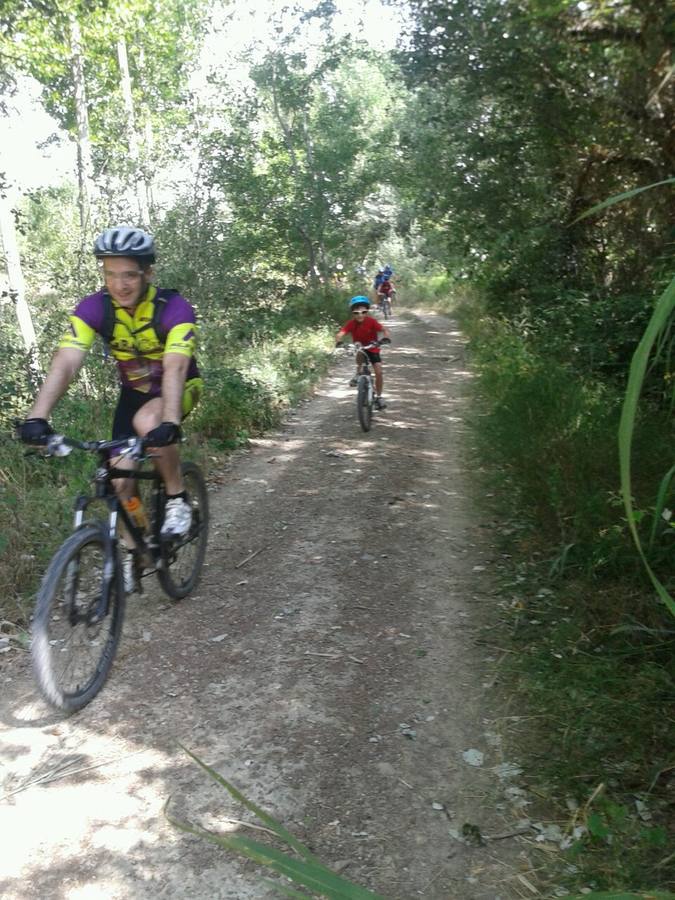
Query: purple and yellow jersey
{"type": "Point", "coordinates": [134, 344]}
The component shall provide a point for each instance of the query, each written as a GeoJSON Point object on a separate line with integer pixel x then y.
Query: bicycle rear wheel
{"type": "Point", "coordinates": [71, 654]}
{"type": "Point", "coordinates": [364, 404]}
{"type": "Point", "coordinates": [183, 558]}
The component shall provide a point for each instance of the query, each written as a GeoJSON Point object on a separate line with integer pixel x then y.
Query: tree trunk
{"type": "Point", "coordinates": [17, 287]}
{"type": "Point", "coordinates": [84, 163]}
{"type": "Point", "coordinates": [148, 134]}
{"type": "Point", "coordinates": [309, 154]}
{"type": "Point", "coordinates": [140, 186]}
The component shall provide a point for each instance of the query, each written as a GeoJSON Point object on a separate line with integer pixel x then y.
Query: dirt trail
{"type": "Point", "coordinates": [335, 677]}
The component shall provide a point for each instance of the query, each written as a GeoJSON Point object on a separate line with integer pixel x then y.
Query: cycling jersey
{"type": "Point", "coordinates": [136, 347]}
{"type": "Point", "coordinates": [385, 288]}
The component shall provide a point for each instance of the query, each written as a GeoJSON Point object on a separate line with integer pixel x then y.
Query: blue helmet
{"type": "Point", "coordinates": [359, 301]}
{"type": "Point", "coordinates": [388, 270]}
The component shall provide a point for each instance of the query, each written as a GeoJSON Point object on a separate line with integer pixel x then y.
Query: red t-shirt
{"type": "Point", "coordinates": [386, 287]}
{"type": "Point", "coordinates": [365, 331]}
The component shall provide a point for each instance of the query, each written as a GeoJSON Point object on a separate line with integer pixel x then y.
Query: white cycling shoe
{"type": "Point", "coordinates": [177, 518]}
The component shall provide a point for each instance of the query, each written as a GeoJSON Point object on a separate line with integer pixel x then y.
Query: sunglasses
{"type": "Point", "coordinates": [360, 312]}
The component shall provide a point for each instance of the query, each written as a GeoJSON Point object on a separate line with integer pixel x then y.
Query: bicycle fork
{"type": "Point", "coordinates": [99, 610]}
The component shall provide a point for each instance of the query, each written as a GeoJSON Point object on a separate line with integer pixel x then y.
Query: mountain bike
{"type": "Point", "coordinates": [365, 383]}
{"type": "Point", "coordinates": [80, 605]}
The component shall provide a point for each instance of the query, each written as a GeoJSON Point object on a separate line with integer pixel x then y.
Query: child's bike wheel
{"type": "Point", "coordinates": [72, 654]}
{"type": "Point", "coordinates": [364, 404]}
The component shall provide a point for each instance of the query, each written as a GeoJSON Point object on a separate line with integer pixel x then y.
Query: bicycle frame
{"type": "Point", "coordinates": [363, 362]}
{"type": "Point", "coordinates": [104, 490]}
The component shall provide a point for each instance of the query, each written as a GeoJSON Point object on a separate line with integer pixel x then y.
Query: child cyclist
{"type": "Point", "coordinates": [365, 329]}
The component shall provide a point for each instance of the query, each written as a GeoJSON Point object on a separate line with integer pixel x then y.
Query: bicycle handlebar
{"type": "Point", "coordinates": [352, 348]}
{"type": "Point", "coordinates": [60, 445]}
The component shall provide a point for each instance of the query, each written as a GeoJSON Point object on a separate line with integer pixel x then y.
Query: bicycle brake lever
{"type": "Point", "coordinates": [56, 446]}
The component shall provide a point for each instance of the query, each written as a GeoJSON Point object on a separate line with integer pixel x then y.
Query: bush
{"type": "Point", "coordinates": [234, 407]}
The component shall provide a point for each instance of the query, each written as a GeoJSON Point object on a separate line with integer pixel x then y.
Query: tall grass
{"type": "Point", "coordinates": [593, 664]}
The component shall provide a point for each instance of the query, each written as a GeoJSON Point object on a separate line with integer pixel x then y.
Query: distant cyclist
{"type": "Point", "coordinates": [365, 329]}
{"type": "Point", "coordinates": [151, 335]}
{"type": "Point", "coordinates": [386, 290]}
{"type": "Point", "coordinates": [377, 281]}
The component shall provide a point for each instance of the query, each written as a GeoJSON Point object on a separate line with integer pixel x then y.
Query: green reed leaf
{"type": "Point", "coordinates": [638, 367]}
{"type": "Point", "coordinates": [618, 198]}
{"type": "Point", "coordinates": [265, 817]}
{"type": "Point", "coordinates": [308, 871]}
{"type": "Point", "coordinates": [661, 497]}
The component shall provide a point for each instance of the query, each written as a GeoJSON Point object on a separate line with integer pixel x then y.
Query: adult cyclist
{"type": "Point", "coordinates": [365, 329]}
{"type": "Point", "coordinates": [151, 335]}
{"type": "Point", "coordinates": [386, 291]}
{"type": "Point", "coordinates": [377, 281]}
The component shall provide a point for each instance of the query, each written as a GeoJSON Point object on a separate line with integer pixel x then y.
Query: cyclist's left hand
{"type": "Point", "coordinates": [164, 434]}
{"type": "Point", "coordinates": [384, 341]}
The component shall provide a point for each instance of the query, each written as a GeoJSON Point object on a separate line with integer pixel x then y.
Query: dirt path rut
{"type": "Point", "coordinates": [334, 677]}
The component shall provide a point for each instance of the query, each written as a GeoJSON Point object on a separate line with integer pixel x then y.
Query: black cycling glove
{"type": "Point", "coordinates": [35, 431]}
{"type": "Point", "coordinates": [164, 434]}
{"type": "Point", "coordinates": [384, 341]}
{"type": "Point", "coordinates": [338, 343]}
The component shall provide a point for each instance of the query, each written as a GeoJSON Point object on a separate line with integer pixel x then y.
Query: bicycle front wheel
{"type": "Point", "coordinates": [183, 558]}
{"type": "Point", "coordinates": [72, 653]}
{"type": "Point", "coordinates": [363, 403]}
{"type": "Point", "coordinates": [386, 308]}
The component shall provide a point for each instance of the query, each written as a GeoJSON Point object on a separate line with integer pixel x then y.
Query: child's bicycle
{"type": "Point", "coordinates": [79, 611]}
{"type": "Point", "coordinates": [365, 382]}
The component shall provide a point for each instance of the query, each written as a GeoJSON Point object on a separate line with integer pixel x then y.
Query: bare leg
{"type": "Point", "coordinates": [125, 489]}
{"type": "Point", "coordinates": [378, 378]}
{"type": "Point", "coordinates": [166, 459]}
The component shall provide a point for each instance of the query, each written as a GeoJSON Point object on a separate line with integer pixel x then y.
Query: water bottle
{"type": "Point", "coordinates": [136, 512]}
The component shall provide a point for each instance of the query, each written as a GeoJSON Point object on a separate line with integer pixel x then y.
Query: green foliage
{"type": "Point", "coordinates": [297, 159]}
{"type": "Point", "coordinates": [524, 117]}
{"type": "Point", "coordinates": [661, 317]}
{"type": "Point", "coordinates": [36, 502]}
{"type": "Point", "coordinates": [235, 407]}
{"type": "Point", "coordinates": [601, 737]}
{"type": "Point", "coordinates": [593, 657]}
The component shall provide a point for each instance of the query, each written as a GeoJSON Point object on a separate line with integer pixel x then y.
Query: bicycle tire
{"type": "Point", "coordinates": [63, 686]}
{"type": "Point", "coordinates": [363, 406]}
{"type": "Point", "coordinates": [386, 309]}
{"type": "Point", "coordinates": [174, 584]}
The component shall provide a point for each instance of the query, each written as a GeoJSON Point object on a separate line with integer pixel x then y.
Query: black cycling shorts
{"type": "Point", "coordinates": [374, 356]}
{"type": "Point", "coordinates": [129, 403]}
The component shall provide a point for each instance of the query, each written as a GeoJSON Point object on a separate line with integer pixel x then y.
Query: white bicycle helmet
{"type": "Point", "coordinates": [125, 241]}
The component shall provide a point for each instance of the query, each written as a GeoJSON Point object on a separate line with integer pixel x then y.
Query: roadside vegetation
{"type": "Point", "coordinates": [588, 650]}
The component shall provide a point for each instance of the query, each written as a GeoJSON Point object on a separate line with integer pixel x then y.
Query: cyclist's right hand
{"type": "Point", "coordinates": [35, 431]}
{"type": "Point", "coordinates": [338, 343]}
